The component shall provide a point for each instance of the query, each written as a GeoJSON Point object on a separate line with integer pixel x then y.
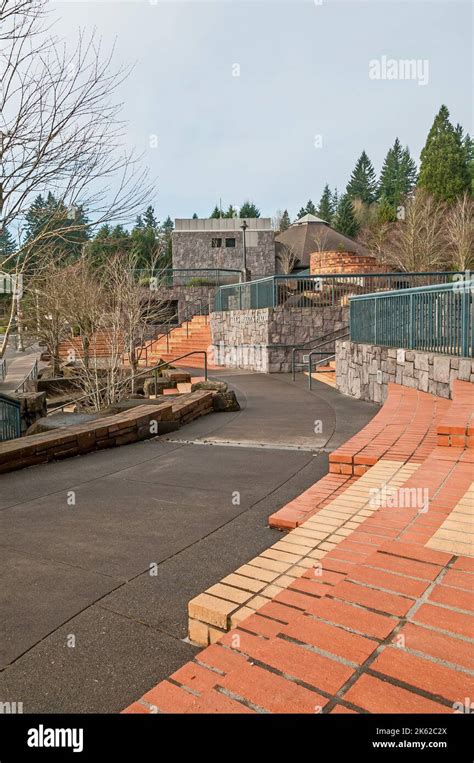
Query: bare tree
{"type": "Point", "coordinates": [417, 243]}
{"type": "Point", "coordinates": [286, 258]}
{"type": "Point", "coordinates": [60, 131]}
{"type": "Point", "coordinates": [45, 309]}
{"type": "Point", "coordinates": [459, 229]}
{"type": "Point", "coordinates": [375, 239]}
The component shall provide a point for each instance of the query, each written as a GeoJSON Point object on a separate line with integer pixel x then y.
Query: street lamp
{"type": "Point", "coordinates": [244, 227]}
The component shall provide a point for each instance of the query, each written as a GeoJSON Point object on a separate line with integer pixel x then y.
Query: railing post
{"type": "Point", "coordinates": [465, 322]}
{"type": "Point", "coordinates": [411, 322]}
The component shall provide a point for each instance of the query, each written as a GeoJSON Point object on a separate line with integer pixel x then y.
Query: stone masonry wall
{"type": "Point", "coordinates": [262, 340]}
{"type": "Point", "coordinates": [193, 249]}
{"type": "Point", "coordinates": [364, 371]}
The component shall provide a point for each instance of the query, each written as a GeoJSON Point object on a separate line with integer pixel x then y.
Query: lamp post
{"type": "Point", "coordinates": [244, 227]}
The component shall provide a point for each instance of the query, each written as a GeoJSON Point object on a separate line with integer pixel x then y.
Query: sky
{"type": "Point", "coordinates": [270, 99]}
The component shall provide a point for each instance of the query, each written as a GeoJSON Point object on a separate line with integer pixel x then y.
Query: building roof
{"type": "Point", "coordinates": [310, 234]}
{"type": "Point", "coordinates": [221, 224]}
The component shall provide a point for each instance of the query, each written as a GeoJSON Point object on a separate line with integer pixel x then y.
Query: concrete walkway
{"type": "Point", "coordinates": [19, 364]}
{"type": "Point", "coordinates": [100, 554]}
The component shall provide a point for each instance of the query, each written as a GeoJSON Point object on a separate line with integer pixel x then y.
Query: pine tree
{"type": "Point", "coordinates": [248, 209]}
{"type": "Point", "coordinates": [325, 209]}
{"type": "Point", "coordinates": [310, 208]}
{"type": "Point", "coordinates": [444, 170]}
{"type": "Point", "coordinates": [398, 175]}
{"type": "Point", "coordinates": [231, 212]}
{"type": "Point", "coordinates": [345, 221]}
{"type": "Point", "coordinates": [334, 203]}
{"type": "Point", "coordinates": [386, 212]}
{"type": "Point", "coordinates": [149, 219]}
{"type": "Point", "coordinates": [285, 221]}
{"type": "Point", "coordinates": [7, 243]}
{"type": "Point", "coordinates": [301, 213]}
{"type": "Point", "coordinates": [363, 182]}
{"type": "Point", "coordinates": [195, 217]}
{"type": "Point", "coordinates": [51, 219]}
{"type": "Point", "coordinates": [468, 144]}
{"type": "Point", "coordinates": [216, 213]}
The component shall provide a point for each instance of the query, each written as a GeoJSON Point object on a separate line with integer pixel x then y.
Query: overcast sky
{"type": "Point", "coordinates": [304, 105]}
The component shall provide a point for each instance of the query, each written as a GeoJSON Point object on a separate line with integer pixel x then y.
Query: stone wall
{"type": "Point", "coordinates": [139, 423]}
{"type": "Point", "coordinates": [364, 371]}
{"type": "Point", "coordinates": [193, 249]}
{"type": "Point", "coordinates": [262, 340]}
{"type": "Point", "coordinates": [189, 298]}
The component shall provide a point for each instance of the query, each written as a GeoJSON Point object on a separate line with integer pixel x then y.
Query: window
{"type": "Point", "coordinates": [230, 242]}
{"type": "Point", "coordinates": [216, 243]}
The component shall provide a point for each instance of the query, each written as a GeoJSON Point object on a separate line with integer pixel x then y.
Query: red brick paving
{"type": "Point", "coordinates": [388, 625]}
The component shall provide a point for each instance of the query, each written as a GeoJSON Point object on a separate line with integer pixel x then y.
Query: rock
{"type": "Point", "coordinates": [32, 408]}
{"type": "Point", "coordinates": [441, 366]}
{"type": "Point", "coordinates": [61, 420]}
{"type": "Point", "coordinates": [225, 401]}
{"type": "Point", "coordinates": [209, 384]}
{"type": "Point", "coordinates": [45, 373]}
{"type": "Point", "coordinates": [150, 387]}
{"type": "Point", "coordinates": [45, 357]}
{"type": "Point", "coordinates": [177, 376]}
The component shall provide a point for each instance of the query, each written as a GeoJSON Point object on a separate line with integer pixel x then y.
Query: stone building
{"type": "Point", "coordinates": [218, 243]}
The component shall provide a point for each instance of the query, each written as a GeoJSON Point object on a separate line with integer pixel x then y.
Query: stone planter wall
{"type": "Point", "coordinates": [261, 340]}
{"type": "Point", "coordinates": [364, 371]}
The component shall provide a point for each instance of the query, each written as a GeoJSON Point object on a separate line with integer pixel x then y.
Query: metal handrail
{"type": "Point", "coordinates": [310, 367]}
{"type": "Point", "coordinates": [186, 319]}
{"type": "Point", "coordinates": [3, 369]}
{"type": "Point", "coordinates": [329, 338]}
{"type": "Point", "coordinates": [31, 375]}
{"type": "Point", "coordinates": [137, 376]}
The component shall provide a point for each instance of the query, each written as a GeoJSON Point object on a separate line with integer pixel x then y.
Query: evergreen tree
{"type": "Point", "coordinates": [50, 219]}
{"type": "Point", "coordinates": [325, 209]}
{"type": "Point", "coordinates": [444, 170]}
{"type": "Point", "coordinates": [109, 241]}
{"type": "Point", "coordinates": [363, 182]}
{"type": "Point", "coordinates": [301, 213]}
{"type": "Point", "coordinates": [398, 175]}
{"type": "Point", "coordinates": [334, 203]}
{"type": "Point", "coordinates": [248, 209]}
{"type": "Point", "coordinates": [195, 217]}
{"type": "Point", "coordinates": [7, 243]}
{"type": "Point", "coordinates": [149, 219]}
{"type": "Point", "coordinates": [468, 144]}
{"type": "Point", "coordinates": [216, 213]}
{"type": "Point", "coordinates": [345, 221]}
{"type": "Point", "coordinates": [285, 221]}
{"type": "Point", "coordinates": [231, 212]}
{"type": "Point", "coordinates": [310, 208]}
{"type": "Point", "coordinates": [386, 212]}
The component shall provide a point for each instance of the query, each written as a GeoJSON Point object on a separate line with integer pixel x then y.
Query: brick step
{"type": "Point", "coordinates": [456, 428]}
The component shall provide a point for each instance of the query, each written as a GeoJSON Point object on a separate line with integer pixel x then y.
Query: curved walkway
{"type": "Point", "coordinates": [102, 553]}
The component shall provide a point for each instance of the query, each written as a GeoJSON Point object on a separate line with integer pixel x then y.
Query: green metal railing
{"type": "Point", "coordinates": [10, 422]}
{"type": "Point", "coordinates": [318, 290]}
{"type": "Point", "coordinates": [432, 318]}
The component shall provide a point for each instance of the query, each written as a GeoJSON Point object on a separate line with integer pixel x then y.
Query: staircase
{"type": "Point", "coordinates": [190, 336]}
{"type": "Point", "coordinates": [325, 373]}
